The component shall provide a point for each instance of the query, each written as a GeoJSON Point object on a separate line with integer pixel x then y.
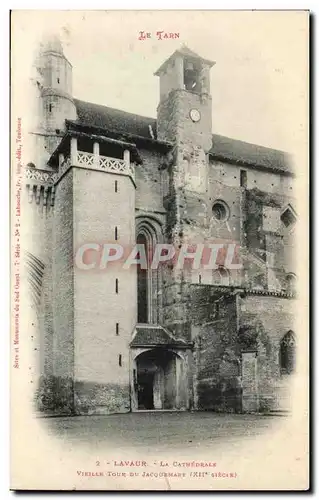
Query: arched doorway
{"type": "Point", "coordinates": [160, 382]}
{"type": "Point", "coordinates": [286, 365]}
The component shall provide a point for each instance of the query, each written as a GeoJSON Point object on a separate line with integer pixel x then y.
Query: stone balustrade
{"type": "Point", "coordinates": [104, 163]}
{"type": "Point", "coordinates": [39, 181]}
{"type": "Point", "coordinates": [37, 176]}
{"type": "Point", "coordinates": [97, 162]}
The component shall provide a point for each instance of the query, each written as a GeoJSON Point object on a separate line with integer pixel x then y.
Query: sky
{"type": "Point", "coordinates": [258, 84]}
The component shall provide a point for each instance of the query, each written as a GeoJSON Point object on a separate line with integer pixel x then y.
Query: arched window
{"type": "Point", "coordinates": [221, 277]}
{"type": "Point", "coordinates": [291, 282]}
{"type": "Point", "coordinates": [191, 77]}
{"type": "Point", "coordinates": [142, 285]}
{"type": "Point", "coordinates": [287, 353]}
{"type": "Point", "coordinates": [148, 233]}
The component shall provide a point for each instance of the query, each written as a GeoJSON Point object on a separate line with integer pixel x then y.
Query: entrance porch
{"type": "Point", "coordinates": [160, 370]}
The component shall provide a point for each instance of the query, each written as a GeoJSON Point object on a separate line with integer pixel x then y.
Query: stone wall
{"type": "Point", "coordinates": [264, 320]}
{"type": "Point", "coordinates": [63, 293]}
{"type": "Point", "coordinates": [149, 195]}
{"type": "Point", "coordinates": [36, 230]}
{"type": "Point", "coordinates": [214, 331]}
{"type": "Point", "coordinates": [174, 123]}
{"type": "Point", "coordinates": [92, 398]}
{"type": "Point", "coordinates": [267, 237]}
{"type": "Point", "coordinates": [47, 298]}
{"type": "Point", "coordinates": [101, 352]}
{"type": "Point", "coordinates": [224, 327]}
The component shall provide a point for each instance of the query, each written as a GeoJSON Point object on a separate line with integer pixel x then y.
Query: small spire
{"type": "Point", "coordinates": [52, 43]}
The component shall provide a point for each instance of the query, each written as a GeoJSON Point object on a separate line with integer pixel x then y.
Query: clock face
{"type": "Point", "coordinates": [195, 115]}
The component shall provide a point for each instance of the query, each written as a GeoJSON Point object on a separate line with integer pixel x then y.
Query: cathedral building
{"type": "Point", "coordinates": [122, 338]}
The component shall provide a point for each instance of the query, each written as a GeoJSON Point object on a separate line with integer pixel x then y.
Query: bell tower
{"type": "Point", "coordinates": [185, 113]}
{"type": "Point", "coordinates": [184, 119]}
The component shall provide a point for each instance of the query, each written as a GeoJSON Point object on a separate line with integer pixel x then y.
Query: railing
{"type": "Point", "coordinates": [40, 176]}
{"type": "Point", "coordinates": [84, 160]}
{"type": "Point", "coordinates": [104, 163]}
{"type": "Point", "coordinates": [40, 185]}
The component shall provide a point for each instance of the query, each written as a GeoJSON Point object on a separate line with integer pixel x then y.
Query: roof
{"type": "Point", "coordinates": [154, 335]}
{"type": "Point", "coordinates": [114, 119]}
{"type": "Point", "coordinates": [224, 148]}
{"type": "Point", "coordinates": [184, 51]}
{"type": "Point", "coordinates": [241, 152]}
